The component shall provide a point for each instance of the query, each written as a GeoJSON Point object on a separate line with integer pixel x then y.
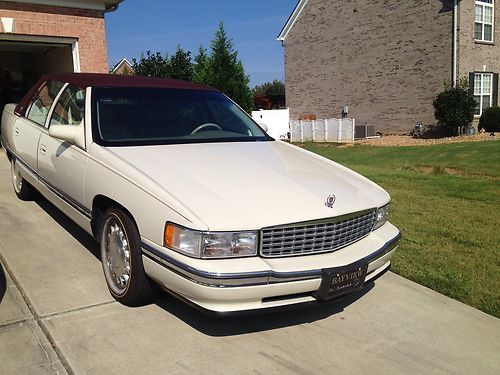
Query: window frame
{"type": "Point", "coordinates": [35, 97]}
{"type": "Point", "coordinates": [481, 88]}
{"type": "Point", "coordinates": [484, 4]}
{"type": "Point", "coordinates": [58, 100]}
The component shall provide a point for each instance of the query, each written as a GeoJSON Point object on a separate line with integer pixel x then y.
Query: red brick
{"type": "Point", "coordinates": [87, 26]}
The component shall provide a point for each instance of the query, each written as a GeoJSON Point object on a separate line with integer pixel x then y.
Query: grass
{"type": "Point", "coordinates": [446, 202]}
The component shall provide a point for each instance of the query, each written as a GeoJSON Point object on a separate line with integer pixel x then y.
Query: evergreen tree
{"type": "Point", "coordinates": [201, 66]}
{"type": "Point", "coordinates": [181, 66]}
{"type": "Point", "coordinates": [226, 73]}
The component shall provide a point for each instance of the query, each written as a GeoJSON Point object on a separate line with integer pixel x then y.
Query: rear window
{"type": "Point", "coordinates": [150, 116]}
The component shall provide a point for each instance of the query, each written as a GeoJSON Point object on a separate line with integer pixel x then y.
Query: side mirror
{"type": "Point", "coordinates": [71, 133]}
{"type": "Point", "coordinates": [264, 126]}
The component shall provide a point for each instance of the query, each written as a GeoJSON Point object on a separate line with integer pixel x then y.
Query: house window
{"type": "Point", "coordinates": [483, 91]}
{"type": "Point", "coordinates": [483, 26]}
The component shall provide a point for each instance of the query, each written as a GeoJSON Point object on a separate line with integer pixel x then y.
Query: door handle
{"type": "Point", "coordinates": [43, 149]}
{"type": "Point", "coordinates": [16, 131]}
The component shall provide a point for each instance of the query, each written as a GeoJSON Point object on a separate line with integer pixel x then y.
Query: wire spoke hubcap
{"type": "Point", "coordinates": [116, 256]}
{"type": "Point", "coordinates": [17, 180]}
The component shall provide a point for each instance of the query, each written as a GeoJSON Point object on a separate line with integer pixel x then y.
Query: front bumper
{"type": "Point", "coordinates": [284, 281]}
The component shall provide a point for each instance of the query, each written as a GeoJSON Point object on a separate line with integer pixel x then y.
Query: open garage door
{"type": "Point", "coordinates": [24, 59]}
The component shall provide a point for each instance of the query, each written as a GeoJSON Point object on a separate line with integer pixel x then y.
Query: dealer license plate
{"type": "Point", "coordinates": [335, 284]}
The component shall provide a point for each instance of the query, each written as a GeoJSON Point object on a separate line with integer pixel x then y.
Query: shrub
{"type": "Point", "coordinates": [455, 106]}
{"type": "Point", "coordinates": [490, 119]}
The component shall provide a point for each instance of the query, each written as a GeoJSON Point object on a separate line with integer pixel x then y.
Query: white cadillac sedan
{"type": "Point", "coordinates": [179, 186]}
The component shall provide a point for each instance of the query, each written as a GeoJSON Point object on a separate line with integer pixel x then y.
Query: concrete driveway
{"type": "Point", "coordinates": [56, 316]}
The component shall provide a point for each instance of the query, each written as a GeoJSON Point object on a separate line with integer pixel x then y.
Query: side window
{"type": "Point", "coordinates": [484, 20]}
{"type": "Point", "coordinates": [42, 101]}
{"type": "Point", "coordinates": [484, 85]}
{"type": "Point", "coordinates": [70, 108]}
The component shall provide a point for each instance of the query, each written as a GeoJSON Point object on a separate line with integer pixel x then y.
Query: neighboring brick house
{"type": "Point", "coordinates": [123, 67]}
{"type": "Point", "coordinates": [48, 36]}
{"type": "Point", "coordinates": [388, 59]}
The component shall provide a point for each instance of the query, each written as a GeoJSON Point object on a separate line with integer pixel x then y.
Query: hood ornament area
{"type": "Point", "coordinates": [330, 201]}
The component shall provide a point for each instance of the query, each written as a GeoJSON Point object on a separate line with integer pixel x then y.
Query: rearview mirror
{"type": "Point", "coordinates": [71, 133]}
{"type": "Point", "coordinates": [264, 126]}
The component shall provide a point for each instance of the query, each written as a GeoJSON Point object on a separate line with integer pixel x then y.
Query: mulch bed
{"type": "Point", "coordinates": [407, 140]}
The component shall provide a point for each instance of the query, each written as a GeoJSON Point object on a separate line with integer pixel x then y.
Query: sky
{"type": "Point", "coordinates": [160, 25]}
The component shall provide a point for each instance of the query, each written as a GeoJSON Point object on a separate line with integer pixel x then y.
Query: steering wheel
{"type": "Point", "coordinates": [206, 125]}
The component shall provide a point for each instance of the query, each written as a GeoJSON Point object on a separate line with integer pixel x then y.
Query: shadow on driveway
{"type": "Point", "coordinates": [71, 227]}
{"type": "Point", "coordinates": [207, 324]}
{"type": "Point", "coordinates": [256, 322]}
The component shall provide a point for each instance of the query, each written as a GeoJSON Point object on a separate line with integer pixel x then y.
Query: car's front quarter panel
{"type": "Point", "coordinates": [109, 176]}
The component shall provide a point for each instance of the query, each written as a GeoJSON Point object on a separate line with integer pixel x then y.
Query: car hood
{"type": "Point", "coordinates": [250, 185]}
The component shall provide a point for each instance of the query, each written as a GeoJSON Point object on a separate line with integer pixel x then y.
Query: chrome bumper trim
{"type": "Point", "coordinates": [228, 280]}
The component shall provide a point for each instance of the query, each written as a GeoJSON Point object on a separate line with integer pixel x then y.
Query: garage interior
{"type": "Point", "coordinates": [22, 63]}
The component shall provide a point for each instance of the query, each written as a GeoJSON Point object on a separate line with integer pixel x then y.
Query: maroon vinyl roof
{"type": "Point", "coordinates": [84, 80]}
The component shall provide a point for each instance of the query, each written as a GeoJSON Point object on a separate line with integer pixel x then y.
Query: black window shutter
{"type": "Point", "coordinates": [495, 89]}
{"type": "Point", "coordinates": [471, 83]}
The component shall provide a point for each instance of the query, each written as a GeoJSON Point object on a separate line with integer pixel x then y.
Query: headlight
{"type": "Point", "coordinates": [381, 216]}
{"type": "Point", "coordinates": [210, 244]}
{"type": "Point", "coordinates": [183, 240]}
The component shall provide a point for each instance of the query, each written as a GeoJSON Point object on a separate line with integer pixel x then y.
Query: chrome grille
{"type": "Point", "coordinates": [316, 237]}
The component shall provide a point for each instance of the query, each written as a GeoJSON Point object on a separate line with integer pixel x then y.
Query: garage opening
{"type": "Point", "coordinates": [23, 62]}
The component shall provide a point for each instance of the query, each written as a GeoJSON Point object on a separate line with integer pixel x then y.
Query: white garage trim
{"type": "Point", "coordinates": [76, 56]}
{"type": "Point", "coordinates": [73, 42]}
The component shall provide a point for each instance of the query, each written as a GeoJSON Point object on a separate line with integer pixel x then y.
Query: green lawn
{"type": "Point", "coordinates": [446, 202]}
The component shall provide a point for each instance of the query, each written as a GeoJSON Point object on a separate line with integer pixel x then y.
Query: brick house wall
{"type": "Point", "coordinates": [386, 59]}
{"type": "Point", "coordinates": [85, 25]}
{"type": "Point", "coordinates": [475, 56]}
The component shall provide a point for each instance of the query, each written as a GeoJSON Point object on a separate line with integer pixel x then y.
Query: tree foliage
{"type": "Point", "coordinates": [220, 69]}
{"type": "Point", "coordinates": [225, 72]}
{"type": "Point", "coordinates": [152, 65]}
{"type": "Point", "coordinates": [490, 120]}
{"type": "Point", "coordinates": [275, 87]}
{"type": "Point", "coordinates": [201, 66]}
{"type": "Point", "coordinates": [455, 106]}
{"type": "Point", "coordinates": [181, 66]}
{"type": "Point", "coordinates": [178, 66]}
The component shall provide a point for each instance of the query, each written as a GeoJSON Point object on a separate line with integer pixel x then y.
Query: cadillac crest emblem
{"type": "Point", "coordinates": [330, 201]}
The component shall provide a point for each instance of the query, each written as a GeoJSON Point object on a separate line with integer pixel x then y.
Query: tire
{"type": "Point", "coordinates": [121, 257]}
{"type": "Point", "coordinates": [22, 188]}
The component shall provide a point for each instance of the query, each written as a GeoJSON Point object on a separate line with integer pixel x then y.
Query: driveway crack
{"type": "Point", "coordinates": [39, 322]}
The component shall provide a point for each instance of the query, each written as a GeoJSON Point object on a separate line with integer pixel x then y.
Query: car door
{"type": "Point", "coordinates": [61, 164]}
{"type": "Point", "coordinates": [27, 130]}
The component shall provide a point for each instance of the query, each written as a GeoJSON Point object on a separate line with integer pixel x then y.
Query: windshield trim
{"type": "Point", "coordinates": [183, 141]}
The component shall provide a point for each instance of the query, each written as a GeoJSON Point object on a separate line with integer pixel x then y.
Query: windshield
{"type": "Point", "coordinates": [154, 116]}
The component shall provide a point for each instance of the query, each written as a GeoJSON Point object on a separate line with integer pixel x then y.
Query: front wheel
{"type": "Point", "coordinates": [23, 189]}
{"type": "Point", "coordinates": [120, 247]}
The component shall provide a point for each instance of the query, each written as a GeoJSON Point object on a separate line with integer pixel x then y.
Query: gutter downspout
{"type": "Point", "coordinates": [455, 42]}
